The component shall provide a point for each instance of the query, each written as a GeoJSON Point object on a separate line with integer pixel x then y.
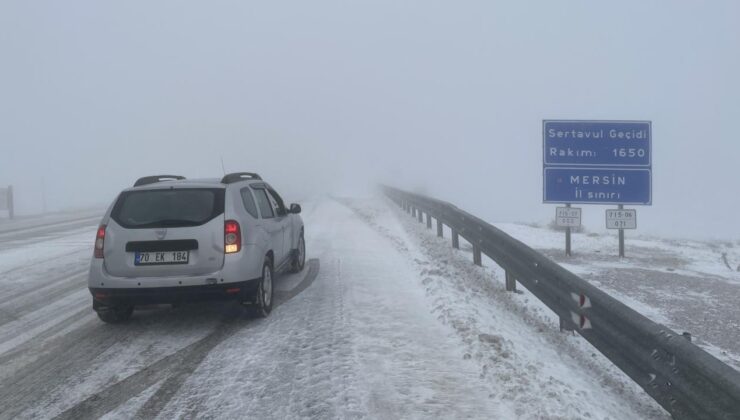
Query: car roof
{"type": "Point", "coordinates": [192, 183]}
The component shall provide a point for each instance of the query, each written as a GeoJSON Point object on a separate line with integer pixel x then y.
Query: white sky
{"type": "Point", "coordinates": [447, 97]}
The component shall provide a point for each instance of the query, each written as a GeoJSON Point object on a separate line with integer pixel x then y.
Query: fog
{"type": "Point", "coordinates": [334, 97]}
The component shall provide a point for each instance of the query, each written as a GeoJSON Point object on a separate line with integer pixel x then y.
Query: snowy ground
{"type": "Point", "coordinates": [386, 321]}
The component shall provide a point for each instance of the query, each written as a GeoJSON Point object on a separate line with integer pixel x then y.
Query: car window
{"type": "Point", "coordinates": [264, 204]}
{"type": "Point", "coordinates": [160, 208]}
{"type": "Point", "coordinates": [276, 202]}
{"type": "Point", "coordinates": [249, 205]}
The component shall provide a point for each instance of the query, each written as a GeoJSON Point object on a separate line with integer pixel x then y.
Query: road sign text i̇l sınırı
{"type": "Point", "coordinates": [597, 162]}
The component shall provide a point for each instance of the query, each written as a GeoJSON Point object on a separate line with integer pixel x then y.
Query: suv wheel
{"type": "Point", "coordinates": [264, 291]}
{"type": "Point", "coordinates": [299, 256]}
{"type": "Point", "coordinates": [116, 314]}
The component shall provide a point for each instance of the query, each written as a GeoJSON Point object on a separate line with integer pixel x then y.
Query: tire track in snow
{"type": "Point", "coordinates": [47, 261]}
{"type": "Point", "coordinates": [174, 382]}
{"type": "Point", "coordinates": [60, 226]}
{"type": "Point", "coordinates": [299, 365]}
{"type": "Point", "coordinates": [33, 347]}
{"type": "Point", "coordinates": [27, 327]}
{"type": "Point", "coordinates": [175, 368]}
{"type": "Point", "coordinates": [35, 273]}
{"type": "Point", "coordinates": [29, 301]}
{"type": "Point", "coordinates": [67, 356]}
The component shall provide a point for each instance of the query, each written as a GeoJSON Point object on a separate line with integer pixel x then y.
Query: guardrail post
{"type": "Point", "coordinates": [413, 211]}
{"type": "Point", "coordinates": [10, 201]}
{"type": "Point", "coordinates": [421, 215]}
{"type": "Point", "coordinates": [455, 239]}
{"type": "Point", "coordinates": [429, 221]}
{"type": "Point", "coordinates": [440, 232]}
{"type": "Point", "coordinates": [476, 256]}
{"type": "Point", "coordinates": [510, 282]}
{"type": "Point", "coordinates": [566, 325]}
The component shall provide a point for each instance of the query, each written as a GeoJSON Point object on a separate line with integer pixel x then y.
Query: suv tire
{"type": "Point", "coordinates": [299, 256]}
{"type": "Point", "coordinates": [263, 299]}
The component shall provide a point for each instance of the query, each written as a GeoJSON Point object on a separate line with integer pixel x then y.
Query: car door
{"type": "Point", "coordinates": [285, 220]}
{"type": "Point", "coordinates": [272, 224]}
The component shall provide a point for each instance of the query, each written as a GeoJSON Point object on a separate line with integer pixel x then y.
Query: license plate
{"type": "Point", "coordinates": [163, 257]}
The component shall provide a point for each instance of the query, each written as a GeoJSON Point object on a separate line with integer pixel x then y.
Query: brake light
{"type": "Point", "coordinates": [99, 242]}
{"type": "Point", "coordinates": [232, 237]}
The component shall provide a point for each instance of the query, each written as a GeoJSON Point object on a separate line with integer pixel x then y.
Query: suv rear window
{"type": "Point", "coordinates": [160, 208]}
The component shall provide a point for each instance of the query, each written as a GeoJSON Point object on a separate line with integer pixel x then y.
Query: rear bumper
{"type": "Point", "coordinates": [106, 297]}
{"type": "Point", "coordinates": [236, 268]}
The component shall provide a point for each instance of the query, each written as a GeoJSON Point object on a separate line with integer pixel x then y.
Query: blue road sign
{"type": "Point", "coordinates": [597, 143]}
{"type": "Point", "coordinates": [597, 186]}
{"type": "Point", "coordinates": [597, 162]}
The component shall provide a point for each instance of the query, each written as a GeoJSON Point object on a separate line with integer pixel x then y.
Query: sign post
{"type": "Point", "coordinates": [621, 219]}
{"type": "Point", "coordinates": [6, 200]}
{"type": "Point", "coordinates": [567, 217]}
{"type": "Point", "coordinates": [567, 237]}
{"type": "Point", "coordinates": [10, 201]}
{"type": "Point", "coordinates": [621, 238]}
{"type": "Point", "coordinates": [597, 162]}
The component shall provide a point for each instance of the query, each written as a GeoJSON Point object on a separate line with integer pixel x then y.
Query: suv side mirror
{"type": "Point", "coordinates": [295, 208]}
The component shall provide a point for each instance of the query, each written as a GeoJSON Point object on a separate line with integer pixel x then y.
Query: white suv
{"type": "Point", "coordinates": [171, 240]}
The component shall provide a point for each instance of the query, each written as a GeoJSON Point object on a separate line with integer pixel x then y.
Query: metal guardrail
{"type": "Point", "coordinates": [686, 380]}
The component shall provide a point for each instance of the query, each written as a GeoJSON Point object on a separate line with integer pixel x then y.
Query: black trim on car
{"type": "Point", "coordinates": [108, 297]}
{"type": "Point", "coordinates": [156, 246]}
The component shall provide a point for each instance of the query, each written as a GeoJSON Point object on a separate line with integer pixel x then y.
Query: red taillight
{"type": "Point", "coordinates": [99, 242]}
{"type": "Point", "coordinates": [232, 237]}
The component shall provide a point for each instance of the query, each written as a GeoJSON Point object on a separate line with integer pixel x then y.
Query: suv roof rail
{"type": "Point", "coordinates": [239, 176]}
{"type": "Point", "coordinates": [156, 178]}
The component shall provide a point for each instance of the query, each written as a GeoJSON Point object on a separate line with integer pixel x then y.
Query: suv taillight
{"type": "Point", "coordinates": [99, 242]}
{"type": "Point", "coordinates": [232, 237]}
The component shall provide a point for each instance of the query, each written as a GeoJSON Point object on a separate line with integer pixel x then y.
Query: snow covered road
{"type": "Point", "coordinates": [386, 321]}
